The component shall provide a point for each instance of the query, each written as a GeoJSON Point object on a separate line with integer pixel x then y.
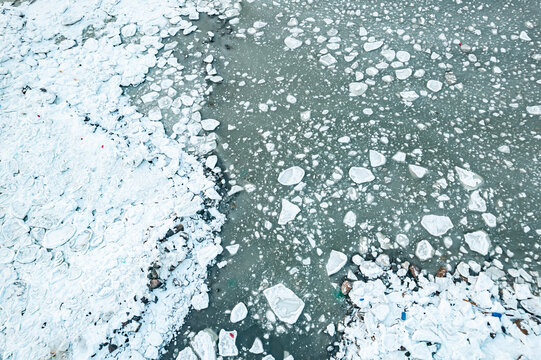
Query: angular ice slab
{"type": "Point", "coordinates": [284, 303]}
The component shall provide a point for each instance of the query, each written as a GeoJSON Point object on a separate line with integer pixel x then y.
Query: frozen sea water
{"type": "Point", "coordinates": [282, 104]}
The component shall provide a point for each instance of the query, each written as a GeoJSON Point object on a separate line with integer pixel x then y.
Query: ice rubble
{"type": "Point", "coordinates": [90, 187]}
{"type": "Point", "coordinates": [444, 317]}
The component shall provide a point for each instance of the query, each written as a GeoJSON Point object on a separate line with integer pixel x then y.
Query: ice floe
{"type": "Point", "coordinates": [336, 261]}
{"type": "Point", "coordinates": [284, 303]}
{"type": "Point", "coordinates": [291, 176]}
{"type": "Point", "coordinates": [436, 225]}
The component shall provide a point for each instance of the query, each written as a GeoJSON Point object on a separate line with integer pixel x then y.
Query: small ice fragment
{"type": "Point", "coordinates": [226, 343]}
{"type": "Point", "coordinates": [203, 345]}
{"type": "Point", "coordinates": [477, 203]}
{"type": "Point", "coordinates": [524, 36]}
{"type": "Point", "coordinates": [403, 74]}
{"type": "Point", "coordinates": [350, 219]}
{"type": "Point", "coordinates": [288, 213]}
{"type": "Point", "coordinates": [436, 225]}
{"type": "Point", "coordinates": [360, 175]}
{"type": "Point", "coordinates": [327, 60]}
{"type": "Point", "coordinates": [434, 85]}
{"type": "Point", "coordinates": [424, 250]}
{"type": "Point", "coordinates": [257, 347]}
{"type": "Point", "coordinates": [357, 88]}
{"type": "Point", "coordinates": [403, 56]}
{"type": "Point", "coordinates": [534, 110]}
{"type": "Point", "coordinates": [292, 42]}
{"type": "Point", "coordinates": [399, 156]}
{"type": "Point", "coordinates": [209, 124]}
{"type": "Point", "coordinates": [478, 241]}
{"type": "Point", "coordinates": [284, 303]}
{"type": "Point", "coordinates": [409, 95]}
{"type": "Point", "coordinates": [291, 176]}
{"type": "Point", "coordinates": [489, 219]}
{"type": "Point", "coordinates": [128, 30]}
{"type": "Point", "coordinates": [336, 261]}
{"type": "Point", "coordinates": [469, 179]}
{"type": "Point", "coordinates": [376, 158]}
{"type": "Point", "coordinates": [233, 248]}
{"type": "Point", "coordinates": [370, 46]}
{"type": "Point", "coordinates": [389, 55]}
{"type": "Point", "coordinates": [187, 354]}
{"type": "Point", "coordinates": [155, 114]}
{"type": "Point", "coordinates": [402, 240]}
{"type": "Point", "coordinates": [417, 172]}
{"type": "Point", "coordinates": [238, 313]}
{"type": "Point", "coordinates": [305, 115]}
{"type": "Point", "coordinates": [200, 301]}
{"type": "Point", "coordinates": [362, 31]}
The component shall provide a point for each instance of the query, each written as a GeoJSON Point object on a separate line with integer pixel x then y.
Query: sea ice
{"type": "Point", "coordinates": [284, 303]}
{"type": "Point", "coordinates": [291, 176]}
{"type": "Point", "coordinates": [357, 88]}
{"type": "Point", "coordinates": [409, 95]}
{"type": "Point", "coordinates": [336, 261]}
{"type": "Point", "coordinates": [403, 74]}
{"type": "Point", "coordinates": [203, 345]}
{"type": "Point", "coordinates": [288, 213]}
{"type": "Point", "coordinates": [238, 313]}
{"type": "Point", "coordinates": [403, 56]}
{"type": "Point", "coordinates": [209, 124]}
{"type": "Point", "coordinates": [360, 175]}
{"type": "Point", "coordinates": [350, 219]}
{"type": "Point", "coordinates": [327, 60]}
{"type": "Point", "coordinates": [534, 110]}
{"type": "Point", "coordinates": [469, 179]}
{"type": "Point", "coordinates": [292, 42]}
{"type": "Point", "coordinates": [376, 158]}
{"type": "Point", "coordinates": [477, 203]}
{"type": "Point", "coordinates": [257, 346]}
{"type": "Point", "coordinates": [418, 172]}
{"type": "Point", "coordinates": [424, 250]}
{"type": "Point", "coordinates": [478, 241]}
{"type": "Point", "coordinates": [374, 45]}
{"type": "Point", "coordinates": [226, 343]}
{"type": "Point", "coordinates": [434, 85]}
{"type": "Point", "coordinates": [436, 225]}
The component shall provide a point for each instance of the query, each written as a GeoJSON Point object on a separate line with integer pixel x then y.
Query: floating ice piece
{"type": "Point", "coordinates": [424, 250]}
{"type": "Point", "coordinates": [187, 354]}
{"type": "Point", "coordinates": [360, 175]}
{"type": "Point", "coordinates": [524, 36]}
{"type": "Point", "coordinates": [362, 31]}
{"type": "Point", "coordinates": [409, 95]}
{"type": "Point", "coordinates": [336, 261]}
{"type": "Point", "coordinates": [155, 114]}
{"type": "Point", "coordinates": [532, 305]}
{"type": "Point", "coordinates": [200, 301]}
{"type": "Point", "coordinates": [489, 219]}
{"type": "Point", "coordinates": [434, 85]}
{"type": "Point", "coordinates": [292, 42]}
{"type": "Point", "coordinates": [327, 60]}
{"type": "Point", "coordinates": [128, 30]}
{"type": "Point", "coordinates": [388, 54]}
{"type": "Point", "coordinates": [209, 124]}
{"type": "Point", "coordinates": [350, 219]}
{"type": "Point", "coordinates": [58, 236]}
{"type": "Point", "coordinates": [233, 248]}
{"type": "Point", "coordinates": [403, 74]}
{"type": "Point", "coordinates": [436, 225]}
{"type": "Point", "coordinates": [288, 213]}
{"type": "Point", "coordinates": [402, 240]}
{"type": "Point", "coordinates": [226, 343]}
{"type": "Point", "coordinates": [357, 88]}
{"type": "Point", "coordinates": [469, 179]}
{"type": "Point", "coordinates": [417, 171]}
{"type": "Point", "coordinates": [374, 45]}
{"type": "Point", "coordinates": [376, 158]}
{"type": "Point", "coordinates": [238, 313]}
{"type": "Point", "coordinates": [291, 176]}
{"type": "Point", "coordinates": [284, 303]}
{"type": "Point", "coordinates": [477, 203]}
{"type": "Point", "coordinates": [370, 269]}
{"type": "Point", "coordinates": [203, 345]}
{"type": "Point", "coordinates": [534, 110]}
{"type": "Point", "coordinates": [478, 241]}
{"type": "Point", "coordinates": [399, 156]}
{"type": "Point", "coordinates": [403, 56]}
{"type": "Point", "coordinates": [257, 346]}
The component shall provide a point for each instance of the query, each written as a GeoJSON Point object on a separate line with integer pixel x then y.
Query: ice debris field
{"type": "Point", "coordinates": [113, 176]}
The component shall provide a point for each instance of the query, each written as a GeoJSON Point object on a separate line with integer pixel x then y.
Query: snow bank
{"type": "Point", "coordinates": [442, 317]}
{"type": "Point", "coordinates": [102, 245]}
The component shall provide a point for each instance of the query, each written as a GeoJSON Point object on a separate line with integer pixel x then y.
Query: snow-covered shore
{"type": "Point", "coordinates": [444, 317]}
{"type": "Point", "coordinates": [91, 191]}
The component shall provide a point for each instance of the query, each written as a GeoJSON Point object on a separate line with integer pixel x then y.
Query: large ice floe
{"type": "Point", "coordinates": [442, 317]}
{"type": "Point", "coordinates": [102, 242]}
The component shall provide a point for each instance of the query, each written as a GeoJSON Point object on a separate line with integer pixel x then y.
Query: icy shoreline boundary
{"type": "Point", "coordinates": [403, 313]}
{"type": "Point", "coordinates": [102, 243]}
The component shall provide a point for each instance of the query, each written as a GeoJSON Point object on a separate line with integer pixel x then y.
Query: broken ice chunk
{"type": "Point", "coordinates": [238, 313]}
{"type": "Point", "coordinates": [203, 345]}
{"type": "Point", "coordinates": [532, 305]}
{"type": "Point", "coordinates": [360, 175]}
{"type": "Point", "coordinates": [226, 343]}
{"type": "Point", "coordinates": [436, 225]}
{"type": "Point", "coordinates": [186, 354]}
{"type": "Point", "coordinates": [257, 346]}
{"type": "Point", "coordinates": [434, 85]}
{"type": "Point", "coordinates": [534, 110]}
{"type": "Point", "coordinates": [424, 250]}
{"type": "Point", "coordinates": [200, 301]}
{"type": "Point", "coordinates": [291, 176]}
{"type": "Point", "coordinates": [469, 179]}
{"type": "Point", "coordinates": [489, 219]}
{"type": "Point", "coordinates": [292, 42]}
{"type": "Point", "coordinates": [478, 241]}
{"type": "Point", "coordinates": [477, 203]}
{"type": "Point", "coordinates": [58, 236]}
{"type": "Point", "coordinates": [357, 88]}
{"type": "Point", "coordinates": [350, 219]}
{"type": "Point", "coordinates": [376, 158]}
{"type": "Point", "coordinates": [288, 213]}
{"type": "Point", "coordinates": [336, 261]}
{"type": "Point", "coordinates": [370, 46]}
{"type": "Point", "coordinates": [399, 156]}
{"type": "Point", "coordinates": [327, 60]}
{"type": "Point", "coordinates": [403, 56]}
{"type": "Point", "coordinates": [403, 74]}
{"type": "Point", "coordinates": [409, 95]}
{"type": "Point", "coordinates": [417, 172]}
{"type": "Point", "coordinates": [284, 303]}
{"type": "Point", "coordinates": [209, 124]}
